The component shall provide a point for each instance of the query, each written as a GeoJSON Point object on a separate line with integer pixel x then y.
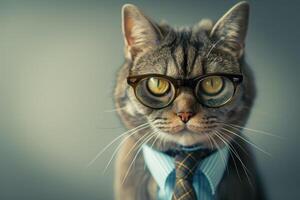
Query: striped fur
{"type": "Point", "coordinates": [181, 53]}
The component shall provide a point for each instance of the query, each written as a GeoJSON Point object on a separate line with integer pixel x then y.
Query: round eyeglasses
{"type": "Point", "coordinates": [159, 91]}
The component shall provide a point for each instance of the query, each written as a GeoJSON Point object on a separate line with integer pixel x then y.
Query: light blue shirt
{"type": "Point", "coordinates": [206, 179]}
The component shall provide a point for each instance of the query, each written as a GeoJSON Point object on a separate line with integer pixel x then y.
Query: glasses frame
{"type": "Point", "coordinates": [134, 80]}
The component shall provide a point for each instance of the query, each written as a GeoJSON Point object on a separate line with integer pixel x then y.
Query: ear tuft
{"type": "Point", "coordinates": [232, 29]}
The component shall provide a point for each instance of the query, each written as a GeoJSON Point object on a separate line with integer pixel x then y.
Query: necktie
{"type": "Point", "coordinates": [186, 164]}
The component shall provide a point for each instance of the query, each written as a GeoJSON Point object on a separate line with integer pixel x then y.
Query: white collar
{"type": "Point", "coordinates": [162, 165]}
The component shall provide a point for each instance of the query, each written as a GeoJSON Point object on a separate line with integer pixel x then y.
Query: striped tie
{"type": "Point", "coordinates": [185, 165]}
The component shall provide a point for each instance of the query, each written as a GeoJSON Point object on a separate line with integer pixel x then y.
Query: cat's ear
{"type": "Point", "coordinates": [140, 33]}
{"type": "Point", "coordinates": [231, 29]}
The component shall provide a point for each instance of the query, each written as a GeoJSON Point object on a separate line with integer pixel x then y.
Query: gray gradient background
{"type": "Point", "coordinates": [58, 61]}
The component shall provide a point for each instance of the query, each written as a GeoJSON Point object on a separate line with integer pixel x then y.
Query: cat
{"type": "Point", "coordinates": [180, 119]}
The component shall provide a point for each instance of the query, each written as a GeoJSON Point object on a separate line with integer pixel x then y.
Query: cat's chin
{"type": "Point", "coordinates": [188, 138]}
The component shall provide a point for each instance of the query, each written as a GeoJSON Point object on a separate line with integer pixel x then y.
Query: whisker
{"type": "Point", "coordinates": [214, 45]}
{"type": "Point", "coordinates": [113, 141]}
{"type": "Point", "coordinates": [235, 126]}
{"type": "Point", "coordinates": [254, 145]}
{"type": "Point", "coordinates": [162, 138]}
{"type": "Point", "coordinates": [222, 155]}
{"type": "Point", "coordinates": [136, 143]}
{"type": "Point", "coordinates": [151, 135]}
{"type": "Point", "coordinates": [246, 170]}
{"type": "Point", "coordinates": [209, 139]}
{"type": "Point", "coordinates": [157, 136]}
{"type": "Point", "coordinates": [232, 139]}
{"type": "Point", "coordinates": [238, 127]}
{"type": "Point", "coordinates": [230, 152]}
{"type": "Point", "coordinates": [118, 147]}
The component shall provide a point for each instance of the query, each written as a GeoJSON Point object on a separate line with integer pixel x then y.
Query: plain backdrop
{"type": "Point", "coordinates": [58, 63]}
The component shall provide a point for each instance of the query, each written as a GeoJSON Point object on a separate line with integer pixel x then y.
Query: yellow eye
{"type": "Point", "coordinates": [158, 86]}
{"type": "Point", "coordinates": [212, 85]}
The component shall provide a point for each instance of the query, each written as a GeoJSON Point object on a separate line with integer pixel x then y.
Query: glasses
{"type": "Point", "coordinates": [159, 91]}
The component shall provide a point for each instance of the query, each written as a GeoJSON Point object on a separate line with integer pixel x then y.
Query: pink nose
{"type": "Point", "coordinates": [185, 116]}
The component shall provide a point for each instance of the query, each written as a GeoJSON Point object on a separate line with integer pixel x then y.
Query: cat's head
{"type": "Point", "coordinates": [182, 110]}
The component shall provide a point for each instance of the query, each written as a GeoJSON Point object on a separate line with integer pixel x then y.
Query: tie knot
{"type": "Point", "coordinates": [186, 164]}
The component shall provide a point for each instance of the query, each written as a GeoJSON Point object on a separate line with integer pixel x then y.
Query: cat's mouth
{"type": "Point", "coordinates": [188, 136]}
{"type": "Point", "coordinates": [188, 129]}
{"type": "Point", "coordinates": [194, 147]}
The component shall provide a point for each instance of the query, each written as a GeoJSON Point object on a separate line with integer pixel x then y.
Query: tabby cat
{"type": "Point", "coordinates": [185, 88]}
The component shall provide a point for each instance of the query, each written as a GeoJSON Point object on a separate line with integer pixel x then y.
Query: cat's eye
{"type": "Point", "coordinates": [158, 91]}
{"type": "Point", "coordinates": [214, 91]}
{"type": "Point", "coordinates": [155, 92]}
{"type": "Point", "coordinates": [212, 85]}
{"type": "Point", "coordinates": [158, 86]}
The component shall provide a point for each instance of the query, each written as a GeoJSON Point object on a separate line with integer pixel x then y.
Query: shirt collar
{"type": "Point", "coordinates": [162, 165]}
